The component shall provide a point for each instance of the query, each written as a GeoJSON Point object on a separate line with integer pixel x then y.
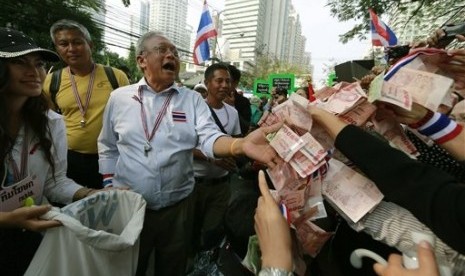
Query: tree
{"type": "Point", "coordinates": [134, 72]}
{"type": "Point", "coordinates": [345, 10]}
{"type": "Point", "coordinates": [34, 17]}
{"type": "Point", "coordinates": [114, 60]}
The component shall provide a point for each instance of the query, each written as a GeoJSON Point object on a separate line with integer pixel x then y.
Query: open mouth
{"type": "Point", "coordinates": [169, 67]}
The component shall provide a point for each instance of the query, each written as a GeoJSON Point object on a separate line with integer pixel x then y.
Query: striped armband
{"type": "Point", "coordinates": [440, 128]}
{"type": "Point", "coordinates": [107, 180]}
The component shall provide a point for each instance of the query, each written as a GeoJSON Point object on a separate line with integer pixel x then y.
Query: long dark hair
{"type": "Point", "coordinates": [34, 114]}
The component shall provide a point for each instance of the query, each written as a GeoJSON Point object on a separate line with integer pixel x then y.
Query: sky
{"type": "Point", "coordinates": [321, 30]}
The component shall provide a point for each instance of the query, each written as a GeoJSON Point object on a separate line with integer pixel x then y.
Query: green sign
{"type": "Point", "coordinates": [330, 81]}
{"type": "Point", "coordinates": [261, 88]}
{"type": "Point", "coordinates": [282, 80]}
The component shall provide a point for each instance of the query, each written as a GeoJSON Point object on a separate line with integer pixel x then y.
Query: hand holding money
{"type": "Point", "coordinates": [402, 115]}
{"type": "Point", "coordinates": [272, 230]}
{"type": "Point", "coordinates": [455, 66]}
{"type": "Point", "coordinates": [434, 38]}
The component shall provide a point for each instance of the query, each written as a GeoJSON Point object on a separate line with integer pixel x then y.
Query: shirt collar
{"type": "Point", "coordinates": [142, 82]}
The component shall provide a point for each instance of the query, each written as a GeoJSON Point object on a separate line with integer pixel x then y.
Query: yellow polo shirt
{"type": "Point", "coordinates": [84, 139]}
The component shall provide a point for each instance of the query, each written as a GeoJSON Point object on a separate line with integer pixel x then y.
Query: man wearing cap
{"type": "Point", "coordinates": [202, 89]}
{"type": "Point", "coordinates": [81, 95]}
{"type": "Point", "coordinates": [212, 188]}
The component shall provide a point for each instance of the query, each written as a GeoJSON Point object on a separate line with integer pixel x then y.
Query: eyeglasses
{"type": "Point", "coordinates": [163, 50]}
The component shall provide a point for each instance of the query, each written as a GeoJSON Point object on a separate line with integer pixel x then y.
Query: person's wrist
{"type": "Point", "coordinates": [236, 147]}
{"type": "Point", "coordinates": [82, 193]}
{"type": "Point", "coordinates": [279, 258]}
{"type": "Point", "coordinates": [421, 117]}
{"type": "Point", "coordinates": [274, 271]}
{"type": "Point", "coordinates": [107, 180]}
{"type": "Point", "coordinates": [440, 128]}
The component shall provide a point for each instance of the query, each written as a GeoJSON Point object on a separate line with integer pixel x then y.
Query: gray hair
{"type": "Point", "coordinates": [140, 47]}
{"type": "Point", "coordinates": [66, 24]}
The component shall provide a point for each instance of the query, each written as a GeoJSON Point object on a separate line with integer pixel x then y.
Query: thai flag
{"type": "Point", "coordinates": [206, 30]}
{"type": "Point", "coordinates": [179, 116]}
{"type": "Point", "coordinates": [381, 34]}
{"type": "Point", "coordinates": [409, 58]}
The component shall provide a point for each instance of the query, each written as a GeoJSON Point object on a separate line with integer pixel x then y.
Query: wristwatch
{"type": "Point", "coordinates": [272, 271]}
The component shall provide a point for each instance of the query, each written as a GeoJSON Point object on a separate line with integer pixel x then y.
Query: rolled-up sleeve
{"type": "Point", "coordinates": [107, 142]}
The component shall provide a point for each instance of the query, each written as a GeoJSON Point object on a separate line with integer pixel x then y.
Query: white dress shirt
{"type": "Point", "coordinates": [165, 176]}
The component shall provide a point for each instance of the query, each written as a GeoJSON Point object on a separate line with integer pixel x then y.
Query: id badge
{"type": "Point", "coordinates": [13, 196]}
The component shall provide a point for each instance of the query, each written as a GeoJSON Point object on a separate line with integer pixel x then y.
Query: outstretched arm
{"type": "Point", "coordinates": [254, 145]}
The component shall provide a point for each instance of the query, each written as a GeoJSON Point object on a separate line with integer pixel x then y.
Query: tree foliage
{"type": "Point", "coordinates": [134, 72]}
{"type": "Point", "coordinates": [345, 10]}
{"type": "Point", "coordinates": [34, 17]}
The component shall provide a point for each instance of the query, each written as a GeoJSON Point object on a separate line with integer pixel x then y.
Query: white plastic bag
{"type": "Point", "coordinates": [99, 236]}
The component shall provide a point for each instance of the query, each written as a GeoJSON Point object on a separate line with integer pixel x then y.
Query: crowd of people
{"type": "Point", "coordinates": [83, 128]}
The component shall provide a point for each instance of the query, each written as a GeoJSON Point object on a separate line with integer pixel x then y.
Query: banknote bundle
{"type": "Point", "coordinates": [306, 148]}
{"type": "Point", "coordinates": [414, 79]}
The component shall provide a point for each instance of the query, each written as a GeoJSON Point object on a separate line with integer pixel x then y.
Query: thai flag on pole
{"type": "Point", "coordinates": [206, 30]}
{"type": "Point", "coordinates": [381, 34]}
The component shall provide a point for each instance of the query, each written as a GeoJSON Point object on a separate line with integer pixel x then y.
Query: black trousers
{"type": "Point", "coordinates": [17, 248]}
{"type": "Point", "coordinates": [83, 168]}
{"type": "Point", "coordinates": [168, 231]}
{"type": "Point", "coordinates": [211, 201]}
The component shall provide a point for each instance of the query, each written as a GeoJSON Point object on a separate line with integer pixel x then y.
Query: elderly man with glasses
{"type": "Point", "coordinates": [149, 131]}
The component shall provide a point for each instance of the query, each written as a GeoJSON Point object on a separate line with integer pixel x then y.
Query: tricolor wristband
{"type": "Point", "coordinates": [440, 128]}
{"type": "Point", "coordinates": [107, 180]}
{"type": "Point", "coordinates": [285, 212]}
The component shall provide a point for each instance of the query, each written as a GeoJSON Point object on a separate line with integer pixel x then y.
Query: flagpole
{"type": "Point", "coordinates": [373, 53]}
{"type": "Point", "coordinates": [215, 46]}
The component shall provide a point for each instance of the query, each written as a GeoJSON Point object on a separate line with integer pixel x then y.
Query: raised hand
{"type": "Point", "coordinates": [272, 230]}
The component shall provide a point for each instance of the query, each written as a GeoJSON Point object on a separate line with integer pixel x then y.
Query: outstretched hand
{"type": "Point", "coordinates": [434, 39]}
{"type": "Point", "coordinates": [455, 65]}
{"type": "Point", "coordinates": [256, 146]}
{"type": "Point", "coordinates": [272, 230]}
{"type": "Point", "coordinates": [426, 260]}
{"type": "Point", "coordinates": [28, 218]}
{"type": "Point", "coordinates": [401, 115]}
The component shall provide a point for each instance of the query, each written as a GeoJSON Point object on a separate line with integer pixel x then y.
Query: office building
{"type": "Point", "coordinates": [169, 17]}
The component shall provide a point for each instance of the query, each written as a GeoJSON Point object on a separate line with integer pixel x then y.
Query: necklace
{"type": "Point", "coordinates": [82, 109]}
{"type": "Point", "coordinates": [159, 118]}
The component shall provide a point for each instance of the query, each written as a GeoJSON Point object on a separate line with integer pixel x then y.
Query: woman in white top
{"type": "Point", "coordinates": [32, 151]}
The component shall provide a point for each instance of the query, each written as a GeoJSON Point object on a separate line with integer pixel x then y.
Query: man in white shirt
{"type": "Point", "coordinates": [212, 175]}
{"type": "Point", "coordinates": [149, 131]}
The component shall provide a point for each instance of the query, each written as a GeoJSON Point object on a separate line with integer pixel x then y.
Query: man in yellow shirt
{"type": "Point", "coordinates": [81, 95]}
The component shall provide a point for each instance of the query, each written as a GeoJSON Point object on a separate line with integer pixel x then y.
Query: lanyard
{"type": "Point", "coordinates": [82, 109]}
{"type": "Point", "coordinates": [147, 146]}
{"type": "Point", "coordinates": [19, 174]}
